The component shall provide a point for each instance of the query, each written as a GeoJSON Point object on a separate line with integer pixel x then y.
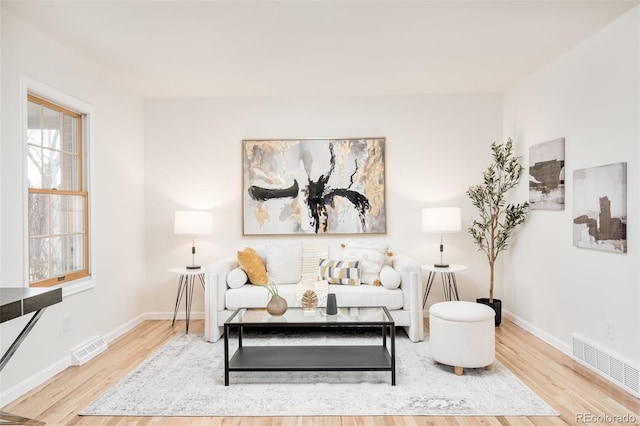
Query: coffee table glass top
{"type": "Point", "coordinates": [255, 316]}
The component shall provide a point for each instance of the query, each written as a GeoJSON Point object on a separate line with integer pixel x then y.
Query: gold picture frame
{"type": "Point", "coordinates": [313, 186]}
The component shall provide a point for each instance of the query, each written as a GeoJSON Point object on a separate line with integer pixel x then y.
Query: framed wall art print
{"type": "Point", "coordinates": [313, 186]}
{"type": "Point", "coordinates": [600, 208]}
{"type": "Point", "coordinates": [546, 175]}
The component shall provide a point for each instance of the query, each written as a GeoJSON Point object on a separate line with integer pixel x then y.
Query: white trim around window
{"type": "Point", "coordinates": [35, 87]}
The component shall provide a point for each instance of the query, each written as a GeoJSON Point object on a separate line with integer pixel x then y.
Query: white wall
{"type": "Point", "coordinates": [436, 146]}
{"type": "Point", "coordinates": [118, 201]}
{"type": "Point", "coordinates": [589, 96]}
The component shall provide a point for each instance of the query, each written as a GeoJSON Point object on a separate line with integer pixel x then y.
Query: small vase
{"type": "Point", "coordinates": [332, 306]}
{"type": "Point", "coordinates": [277, 306]}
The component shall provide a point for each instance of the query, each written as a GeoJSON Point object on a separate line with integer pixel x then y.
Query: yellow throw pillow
{"type": "Point", "coordinates": [252, 264]}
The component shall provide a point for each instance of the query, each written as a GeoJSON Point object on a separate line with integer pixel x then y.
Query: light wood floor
{"type": "Point", "coordinates": [565, 385]}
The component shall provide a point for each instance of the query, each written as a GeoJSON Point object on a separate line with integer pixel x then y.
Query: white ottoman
{"type": "Point", "coordinates": [462, 334]}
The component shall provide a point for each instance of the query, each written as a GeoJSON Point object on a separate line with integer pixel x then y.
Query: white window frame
{"type": "Point", "coordinates": [39, 89]}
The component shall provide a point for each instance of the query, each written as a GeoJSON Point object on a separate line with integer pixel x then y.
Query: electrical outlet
{"type": "Point", "coordinates": [66, 323]}
{"type": "Point", "coordinates": [609, 329]}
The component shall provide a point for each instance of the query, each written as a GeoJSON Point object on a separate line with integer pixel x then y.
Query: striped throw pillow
{"type": "Point", "coordinates": [311, 256]}
{"type": "Point", "coordinates": [345, 272]}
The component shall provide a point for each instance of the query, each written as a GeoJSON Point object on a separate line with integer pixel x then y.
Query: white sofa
{"type": "Point", "coordinates": [404, 302]}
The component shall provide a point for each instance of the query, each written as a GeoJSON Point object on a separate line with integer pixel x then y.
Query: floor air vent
{"type": "Point", "coordinates": [87, 351]}
{"type": "Point", "coordinates": [608, 366]}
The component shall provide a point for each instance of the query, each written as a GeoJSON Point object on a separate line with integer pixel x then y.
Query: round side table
{"type": "Point", "coordinates": [449, 284]}
{"type": "Point", "coordinates": [185, 287]}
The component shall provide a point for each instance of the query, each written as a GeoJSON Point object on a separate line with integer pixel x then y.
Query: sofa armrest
{"type": "Point", "coordinates": [405, 265]}
{"type": "Point", "coordinates": [411, 285]}
{"type": "Point", "coordinates": [215, 286]}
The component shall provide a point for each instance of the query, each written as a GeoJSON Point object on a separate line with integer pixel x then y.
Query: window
{"type": "Point", "coordinates": [58, 199]}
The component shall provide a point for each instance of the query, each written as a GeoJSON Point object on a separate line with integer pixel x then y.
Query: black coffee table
{"type": "Point", "coordinates": [312, 357]}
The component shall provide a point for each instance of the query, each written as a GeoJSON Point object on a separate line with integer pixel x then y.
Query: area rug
{"type": "Point", "coordinates": [185, 377]}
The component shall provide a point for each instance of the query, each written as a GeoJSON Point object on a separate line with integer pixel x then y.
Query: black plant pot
{"type": "Point", "coordinates": [496, 306]}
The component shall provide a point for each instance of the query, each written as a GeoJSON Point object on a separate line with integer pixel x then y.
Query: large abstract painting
{"type": "Point", "coordinates": [600, 208]}
{"type": "Point", "coordinates": [313, 186]}
{"type": "Point", "coordinates": [546, 175]}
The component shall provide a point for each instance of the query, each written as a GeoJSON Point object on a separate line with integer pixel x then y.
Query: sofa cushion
{"type": "Point", "coordinates": [367, 295]}
{"type": "Point", "coordinates": [253, 265]}
{"type": "Point", "coordinates": [371, 257]}
{"type": "Point", "coordinates": [237, 278]}
{"type": "Point", "coordinates": [252, 296]}
{"type": "Point", "coordinates": [284, 263]}
{"type": "Point", "coordinates": [345, 272]}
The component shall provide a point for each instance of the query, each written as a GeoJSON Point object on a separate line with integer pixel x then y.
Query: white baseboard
{"type": "Point", "coordinates": [151, 316]}
{"type": "Point", "coordinates": [33, 381]}
{"type": "Point", "coordinates": [124, 328]}
{"type": "Point", "coordinates": [564, 347]}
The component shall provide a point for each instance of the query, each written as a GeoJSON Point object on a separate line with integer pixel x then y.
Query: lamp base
{"type": "Point", "coordinates": [193, 267]}
{"type": "Point", "coordinates": [441, 265]}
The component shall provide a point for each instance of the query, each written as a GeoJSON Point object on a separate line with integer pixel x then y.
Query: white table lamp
{"type": "Point", "coordinates": [193, 223]}
{"type": "Point", "coordinates": [442, 220]}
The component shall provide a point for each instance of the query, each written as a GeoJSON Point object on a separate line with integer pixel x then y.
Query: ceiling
{"type": "Point", "coordinates": [178, 49]}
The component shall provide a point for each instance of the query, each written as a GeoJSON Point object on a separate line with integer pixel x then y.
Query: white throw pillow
{"type": "Point", "coordinates": [371, 257]}
{"type": "Point", "coordinates": [236, 278]}
{"type": "Point", "coordinates": [389, 277]}
{"type": "Point", "coordinates": [284, 263]}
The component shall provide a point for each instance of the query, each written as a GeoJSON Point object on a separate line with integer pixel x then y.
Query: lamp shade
{"type": "Point", "coordinates": [441, 219]}
{"type": "Point", "coordinates": [193, 223]}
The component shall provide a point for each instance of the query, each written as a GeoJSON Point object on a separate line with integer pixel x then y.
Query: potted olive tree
{"type": "Point", "coordinates": [497, 220]}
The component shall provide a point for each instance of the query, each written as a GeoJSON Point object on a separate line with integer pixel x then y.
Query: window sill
{"type": "Point", "coordinates": [77, 287]}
